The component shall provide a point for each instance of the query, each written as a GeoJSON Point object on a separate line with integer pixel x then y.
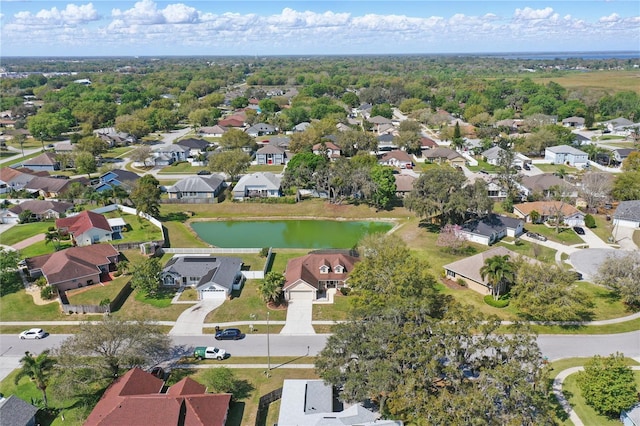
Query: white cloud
{"type": "Point", "coordinates": [533, 14]}
{"type": "Point", "coordinates": [70, 15]}
{"type": "Point", "coordinates": [146, 12]}
{"type": "Point", "coordinates": [614, 17]}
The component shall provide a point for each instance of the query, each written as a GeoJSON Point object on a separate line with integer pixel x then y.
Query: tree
{"type": "Point", "coordinates": [622, 275]}
{"type": "Point", "coordinates": [548, 293]}
{"type": "Point", "coordinates": [146, 276]}
{"type": "Point", "coordinates": [383, 110]}
{"type": "Point", "coordinates": [20, 139]}
{"type": "Point", "coordinates": [141, 154]}
{"type": "Point", "coordinates": [301, 168]}
{"type": "Point", "coordinates": [92, 358]}
{"type": "Point", "coordinates": [596, 188]}
{"type": "Point", "coordinates": [86, 163]}
{"type": "Point", "coordinates": [231, 163]}
{"type": "Point", "coordinates": [457, 142]}
{"type": "Point", "coordinates": [436, 194]}
{"type": "Point", "coordinates": [38, 369]}
{"type": "Point", "coordinates": [450, 240]}
{"type": "Point", "coordinates": [608, 385]}
{"type": "Point", "coordinates": [146, 195]}
{"type": "Point", "coordinates": [499, 271]}
{"type": "Point", "coordinates": [271, 287]}
{"type": "Point", "coordinates": [8, 265]}
{"type": "Point", "coordinates": [409, 141]}
{"type": "Point", "coordinates": [92, 144]}
{"type": "Point", "coordinates": [626, 186]}
{"type": "Point", "coordinates": [52, 236]}
{"type": "Point", "coordinates": [385, 186]}
{"type": "Point", "coordinates": [351, 99]}
{"type": "Point", "coordinates": [236, 139]}
{"type": "Point", "coordinates": [25, 216]}
{"type": "Point", "coordinates": [224, 380]}
{"type": "Point", "coordinates": [632, 162]}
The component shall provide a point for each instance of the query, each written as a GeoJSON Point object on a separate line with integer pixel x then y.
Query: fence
{"type": "Point", "coordinates": [135, 245]}
{"type": "Point", "coordinates": [189, 200]}
{"type": "Point", "coordinates": [263, 405]}
{"type": "Point", "coordinates": [96, 309]}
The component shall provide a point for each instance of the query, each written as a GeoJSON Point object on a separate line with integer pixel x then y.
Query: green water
{"type": "Point", "coordinates": [287, 233]}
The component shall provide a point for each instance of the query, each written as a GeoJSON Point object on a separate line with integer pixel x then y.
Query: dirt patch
{"type": "Point", "coordinates": [452, 284]}
{"type": "Point", "coordinates": [274, 307]}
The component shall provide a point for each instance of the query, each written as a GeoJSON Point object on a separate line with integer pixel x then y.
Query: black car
{"type": "Point", "coordinates": [526, 166]}
{"type": "Point", "coordinates": [536, 236]}
{"type": "Point", "coordinates": [229, 334]}
{"type": "Point", "coordinates": [578, 230]}
{"type": "Point", "coordinates": [204, 172]}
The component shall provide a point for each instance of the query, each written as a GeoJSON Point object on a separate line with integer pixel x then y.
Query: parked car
{"type": "Point", "coordinates": [33, 333]}
{"type": "Point", "coordinates": [536, 236]}
{"type": "Point", "coordinates": [159, 372]}
{"type": "Point", "coordinates": [578, 230]}
{"type": "Point", "coordinates": [577, 275]}
{"type": "Point", "coordinates": [204, 172]}
{"type": "Point", "coordinates": [229, 334]}
{"type": "Point", "coordinates": [209, 352]}
{"type": "Point", "coordinates": [517, 167]}
{"type": "Point", "coordinates": [526, 166]}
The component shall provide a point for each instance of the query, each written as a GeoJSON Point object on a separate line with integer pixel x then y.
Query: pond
{"type": "Point", "coordinates": [287, 233]}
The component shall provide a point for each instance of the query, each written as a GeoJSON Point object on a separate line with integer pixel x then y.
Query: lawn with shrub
{"type": "Point", "coordinates": [23, 231]}
{"type": "Point", "coordinates": [483, 165]}
{"type": "Point", "coordinates": [93, 295]}
{"type": "Point", "coordinates": [42, 247]}
{"type": "Point", "coordinates": [566, 235]}
{"type": "Point", "coordinates": [243, 304]}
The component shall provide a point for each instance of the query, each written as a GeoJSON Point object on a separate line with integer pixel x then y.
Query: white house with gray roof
{"type": "Point", "coordinates": [212, 277]}
{"type": "Point", "coordinates": [565, 154]}
{"type": "Point", "coordinates": [627, 214]}
{"type": "Point", "coordinates": [312, 403]}
{"type": "Point", "coordinates": [489, 230]}
{"type": "Point", "coordinates": [165, 155]}
{"type": "Point", "coordinates": [259, 184]}
{"type": "Point", "coordinates": [197, 187]}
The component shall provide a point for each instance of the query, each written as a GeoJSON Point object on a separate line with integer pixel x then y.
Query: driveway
{"type": "Point", "coordinates": [587, 261]}
{"type": "Point", "coordinates": [190, 322]}
{"type": "Point", "coordinates": [624, 237]}
{"type": "Point", "coordinates": [592, 239]}
{"type": "Point", "coordinates": [299, 318]}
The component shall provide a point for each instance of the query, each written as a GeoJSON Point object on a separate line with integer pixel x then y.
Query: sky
{"type": "Point", "coordinates": [306, 27]}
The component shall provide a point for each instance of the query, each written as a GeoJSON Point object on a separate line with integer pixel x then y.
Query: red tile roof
{"type": "Point", "coordinates": [136, 399]}
{"type": "Point", "coordinates": [83, 222]}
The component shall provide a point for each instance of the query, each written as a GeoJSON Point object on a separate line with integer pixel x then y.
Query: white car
{"type": "Point", "coordinates": [34, 333]}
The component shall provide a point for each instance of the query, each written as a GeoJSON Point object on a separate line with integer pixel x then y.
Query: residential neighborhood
{"type": "Point", "coordinates": [452, 216]}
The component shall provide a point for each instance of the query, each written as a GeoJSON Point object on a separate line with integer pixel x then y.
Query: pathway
{"type": "Point", "coordinates": [190, 321]}
{"type": "Point", "coordinates": [28, 241]}
{"type": "Point", "coordinates": [299, 313]}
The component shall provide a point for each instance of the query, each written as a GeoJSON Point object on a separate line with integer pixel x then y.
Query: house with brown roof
{"type": "Point", "coordinates": [543, 184]}
{"type": "Point", "coordinates": [139, 398]}
{"type": "Point", "coordinates": [50, 187]}
{"type": "Point", "coordinates": [427, 143]}
{"type": "Point", "coordinates": [42, 209]}
{"type": "Point", "coordinates": [549, 210]}
{"type": "Point", "coordinates": [443, 155]}
{"type": "Point", "coordinates": [271, 154]}
{"type": "Point", "coordinates": [15, 179]}
{"type": "Point", "coordinates": [45, 161]}
{"type": "Point", "coordinates": [310, 277]}
{"type": "Point", "coordinates": [404, 184]}
{"type": "Point", "coordinates": [74, 267]}
{"type": "Point", "coordinates": [212, 131]}
{"type": "Point", "coordinates": [396, 158]}
{"type": "Point", "coordinates": [468, 269]}
{"type": "Point", "coordinates": [327, 148]}
{"type": "Point", "coordinates": [86, 228]}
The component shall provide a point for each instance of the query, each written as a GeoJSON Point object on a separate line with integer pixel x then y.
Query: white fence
{"type": "Point", "coordinates": [209, 250]}
{"type": "Point", "coordinates": [128, 210]}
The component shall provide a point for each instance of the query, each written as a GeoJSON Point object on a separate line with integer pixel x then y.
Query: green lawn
{"type": "Point", "coordinates": [41, 247]}
{"type": "Point", "coordinates": [117, 152]}
{"type": "Point", "coordinates": [21, 232]}
{"type": "Point", "coordinates": [8, 154]}
{"type": "Point", "coordinates": [603, 227]}
{"type": "Point", "coordinates": [483, 165]}
{"type": "Point", "coordinates": [94, 294]}
{"type": "Point", "coordinates": [243, 304]}
{"type": "Point", "coordinates": [338, 311]}
{"type": "Point", "coordinates": [182, 167]}
{"type": "Point", "coordinates": [533, 250]}
{"type": "Point", "coordinates": [21, 159]}
{"type": "Point", "coordinates": [552, 168]}
{"type": "Point", "coordinates": [265, 168]}
{"type": "Point", "coordinates": [566, 236]}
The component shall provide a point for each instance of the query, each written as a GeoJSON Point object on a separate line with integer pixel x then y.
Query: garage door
{"type": "Point", "coordinates": [212, 294]}
{"type": "Point", "coordinates": [301, 295]}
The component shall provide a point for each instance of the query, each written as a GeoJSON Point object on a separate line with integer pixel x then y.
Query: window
{"type": "Point", "coordinates": [324, 269]}
{"type": "Point", "coordinates": [339, 269]}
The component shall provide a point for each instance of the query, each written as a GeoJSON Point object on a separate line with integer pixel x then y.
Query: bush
{"type": "Point", "coordinates": [264, 251]}
{"type": "Point", "coordinates": [46, 292]}
{"type": "Point", "coordinates": [461, 282]}
{"type": "Point", "coordinates": [345, 291]}
{"type": "Point", "coordinates": [589, 221]}
{"type": "Point", "coordinates": [502, 302]}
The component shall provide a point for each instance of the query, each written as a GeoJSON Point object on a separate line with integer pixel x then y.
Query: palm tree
{"type": "Point", "coordinates": [271, 288]}
{"type": "Point", "coordinates": [499, 272]}
{"type": "Point", "coordinates": [54, 237]}
{"type": "Point", "coordinates": [38, 369]}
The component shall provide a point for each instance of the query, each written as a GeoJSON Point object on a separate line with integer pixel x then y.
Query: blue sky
{"type": "Point", "coordinates": [149, 27]}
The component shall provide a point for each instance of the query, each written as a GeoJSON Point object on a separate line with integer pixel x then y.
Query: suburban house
{"type": "Point", "coordinates": [117, 177]}
{"type": "Point", "coordinates": [490, 229]}
{"type": "Point", "coordinates": [380, 122]}
{"type": "Point", "coordinates": [386, 142]}
{"type": "Point", "coordinates": [495, 190]}
{"type": "Point", "coordinates": [566, 154]}
{"type": "Point", "coordinates": [468, 269]}
{"type": "Point", "coordinates": [327, 148]}
{"type": "Point", "coordinates": [301, 127]}
{"type": "Point", "coordinates": [16, 179]}
{"type": "Point", "coordinates": [396, 158]}
{"type": "Point", "coordinates": [271, 154]}
{"type": "Point", "coordinates": [442, 155]}
{"type": "Point", "coordinates": [165, 155]}
{"type": "Point", "coordinates": [64, 148]}
{"type": "Point", "coordinates": [309, 277]}
{"type": "Point", "coordinates": [114, 138]}
{"type": "Point", "coordinates": [140, 398]}
{"type": "Point", "coordinates": [49, 187]}
{"type": "Point", "coordinates": [258, 185]}
{"type": "Point", "coordinates": [364, 110]}
{"type": "Point", "coordinates": [492, 155]}
{"type": "Point", "coordinates": [313, 403]}
{"type": "Point", "coordinates": [621, 154]}
{"type": "Point", "coordinates": [617, 123]}
{"type": "Point", "coordinates": [260, 129]}
{"type": "Point", "coordinates": [16, 412]}
{"type": "Point", "coordinates": [631, 417]}
{"type": "Point", "coordinates": [45, 161]}
{"type": "Point", "coordinates": [42, 209]}
{"type": "Point", "coordinates": [86, 228]}
{"type": "Point", "coordinates": [576, 122]}
{"type": "Point", "coordinates": [196, 146]}
{"type": "Point", "coordinates": [74, 267]}
{"type": "Point", "coordinates": [404, 184]}
{"type": "Point", "coordinates": [627, 214]}
{"type": "Point", "coordinates": [549, 210]}
{"type": "Point", "coordinates": [197, 187]}
{"type": "Point", "coordinates": [212, 131]}
{"type": "Point", "coordinates": [542, 185]}
{"type": "Point", "coordinates": [237, 120]}
{"type": "Point", "coordinates": [427, 143]}
{"type": "Point", "coordinates": [212, 277]}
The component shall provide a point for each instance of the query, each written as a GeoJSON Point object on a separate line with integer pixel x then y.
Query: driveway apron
{"type": "Point", "coordinates": [190, 322]}
{"type": "Point", "coordinates": [299, 318]}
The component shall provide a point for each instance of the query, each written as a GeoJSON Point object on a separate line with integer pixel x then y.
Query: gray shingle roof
{"type": "Point", "coordinates": [565, 149]}
{"type": "Point", "coordinates": [267, 180]}
{"type": "Point", "coordinates": [492, 153]}
{"type": "Point", "coordinates": [197, 184]}
{"type": "Point", "coordinates": [628, 210]}
{"type": "Point", "coordinates": [14, 411]}
{"type": "Point", "coordinates": [220, 270]}
{"type": "Point", "coordinates": [488, 225]}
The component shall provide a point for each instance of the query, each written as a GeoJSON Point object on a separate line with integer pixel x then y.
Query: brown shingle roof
{"type": "Point", "coordinates": [404, 183]}
{"type": "Point", "coordinates": [186, 386]}
{"type": "Point", "coordinates": [542, 182]}
{"type": "Point", "coordinates": [545, 208]}
{"type": "Point", "coordinates": [307, 268]}
{"type": "Point", "coordinates": [469, 267]}
{"type": "Point", "coordinates": [41, 206]}
{"type": "Point", "coordinates": [44, 159]}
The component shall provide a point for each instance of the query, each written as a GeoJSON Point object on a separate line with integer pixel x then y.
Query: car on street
{"type": "Point", "coordinates": [578, 230]}
{"type": "Point", "coordinates": [33, 333]}
{"type": "Point", "coordinates": [229, 334]}
{"type": "Point", "coordinates": [517, 167]}
{"type": "Point", "coordinates": [536, 236]}
{"type": "Point", "coordinates": [204, 172]}
{"type": "Point", "coordinates": [526, 166]}
{"type": "Point", "coordinates": [209, 352]}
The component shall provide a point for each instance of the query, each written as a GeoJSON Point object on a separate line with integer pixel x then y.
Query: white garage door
{"type": "Point", "coordinates": [301, 295]}
{"type": "Point", "coordinates": [212, 294]}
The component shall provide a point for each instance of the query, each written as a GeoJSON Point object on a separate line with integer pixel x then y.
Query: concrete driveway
{"type": "Point", "coordinates": [592, 239]}
{"type": "Point", "coordinates": [299, 318]}
{"type": "Point", "coordinates": [624, 237]}
{"type": "Point", "coordinates": [587, 261]}
{"type": "Point", "coordinates": [190, 322]}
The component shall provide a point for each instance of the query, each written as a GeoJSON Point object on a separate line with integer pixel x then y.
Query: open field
{"type": "Point", "coordinates": [607, 81]}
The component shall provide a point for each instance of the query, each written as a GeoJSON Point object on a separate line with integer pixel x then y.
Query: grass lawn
{"type": "Point", "coordinates": [623, 327]}
{"type": "Point", "coordinates": [181, 235]}
{"type": "Point", "coordinates": [566, 236]}
{"type": "Point", "coordinates": [21, 159]}
{"type": "Point", "coordinates": [19, 306]}
{"type": "Point", "coordinates": [338, 311]}
{"type": "Point", "coordinates": [117, 152]}
{"type": "Point", "coordinates": [21, 232]}
{"type": "Point", "coordinates": [265, 168]}
{"type": "Point", "coordinates": [160, 309]}
{"type": "Point", "coordinates": [552, 168]}
{"type": "Point", "coordinates": [607, 304]}
{"type": "Point", "coordinates": [610, 81]}
{"type": "Point", "coordinates": [603, 228]}
{"type": "Point", "coordinates": [42, 247]}
{"type": "Point", "coordinates": [139, 229]}
{"type": "Point", "coordinates": [483, 165]}
{"type": "Point", "coordinates": [243, 304]}
{"type": "Point", "coordinates": [533, 250]}
{"type": "Point", "coordinates": [94, 294]}
{"type": "Point", "coordinates": [181, 168]}
{"type": "Point", "coordinates": [8, 154]}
